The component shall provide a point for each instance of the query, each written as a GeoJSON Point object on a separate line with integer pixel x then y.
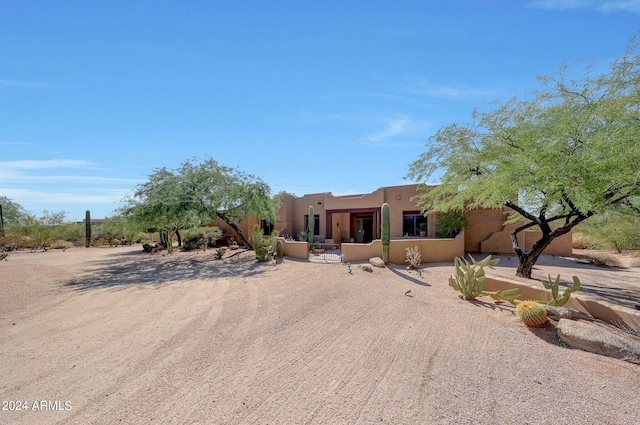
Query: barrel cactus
{"type": "Point", "coordinates": [386, 232]}
{"type": "Point", "coordinates": [532, 313]}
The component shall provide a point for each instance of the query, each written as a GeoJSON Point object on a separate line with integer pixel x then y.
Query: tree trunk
{"type": "Point", "coordinates": [526, 260]}
{"type": "Point", "coordinates": [179, 238]}
{"type": "Point", "coordinates": [236, 229]}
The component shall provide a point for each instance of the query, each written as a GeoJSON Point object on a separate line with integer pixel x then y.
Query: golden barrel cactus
{"type": "Point", "coordinates": [532, 313]}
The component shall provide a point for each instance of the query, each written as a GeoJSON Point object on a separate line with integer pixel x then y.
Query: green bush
{"type": "Point", "coordinates": [202, 238]}
{"type": "Point", "coordinates": [611, 230]}
{"type": "Point", "coordinates": [448, 225]}
{"type": "Point", "coordinates": [70, 232]}
{"type": "Point", "coordinates": [261, 246]}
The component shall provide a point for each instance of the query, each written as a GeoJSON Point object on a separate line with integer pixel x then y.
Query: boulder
{"type": "Point", "coordinates": [377, 262]}
{"type": "Point", "coordinates": [556, 313]}
{"type": "Point", "coordinates": [600, 339]}
{"type": "Point", "coordinates": [365, 267]}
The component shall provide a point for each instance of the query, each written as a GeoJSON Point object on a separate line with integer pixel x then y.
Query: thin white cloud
{"type": "Point", "coordinates": [44, 164]}
{"type": "Point", "coordinates": [8, 176]}
{"type": "Point", "coordinates": [632, 6]}
{"type": "Point", "coordinates": [46, 197]}
{"type": "Point", "coordinates": [25, 84]}
{"type": "Point", "coordinates": [423, 87]}
{"type": "Point", "coordinates": [394, 127]}
{"type": "Point", "coordinates": [399, 132]}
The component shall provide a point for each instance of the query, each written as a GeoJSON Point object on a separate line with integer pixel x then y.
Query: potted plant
{"type": "Point", "coordinates": [423, 229]}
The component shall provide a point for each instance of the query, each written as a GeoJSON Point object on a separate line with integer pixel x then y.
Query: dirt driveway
{"type": "Point", "coordinates": [113, 335]}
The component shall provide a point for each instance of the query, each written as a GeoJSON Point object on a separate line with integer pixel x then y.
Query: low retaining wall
{"type": "Point", "coordinates": [294, 249]}
{"type": "Point", "coordinates": [611, 313]}
{"type": "Point", "coordinates": [431, 250]}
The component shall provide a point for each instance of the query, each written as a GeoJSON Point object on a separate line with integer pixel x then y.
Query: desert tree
{"type": "Point", "coordinates": [564, 153]}
{"type": "Point", "coordinates": [222, 192]}
{"type": "Point", "coordinates": [196, 194]}
{"type": "Point", "coordinates": [160, 204]}
{"type": "Point", "coordinates": [12, 213]}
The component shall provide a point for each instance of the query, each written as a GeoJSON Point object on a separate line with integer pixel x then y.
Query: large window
{"type": "Point", "coordinates": [414, 223]}
{"type": "Point", "coordinates": [267, 228]}
{"type": "Point", "coordinates": [316, 223]}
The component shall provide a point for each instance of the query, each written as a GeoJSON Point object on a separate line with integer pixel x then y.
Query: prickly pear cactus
{"type": "Point", "coordinates": [532, 313]}
{"type": "Point", "coordinates": [386, 232]}
{"type": "Point", "coordinates": [553, 286]}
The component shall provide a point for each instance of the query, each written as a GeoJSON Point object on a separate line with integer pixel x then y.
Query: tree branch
{"type": "Point", "coordinates": [522, 212]}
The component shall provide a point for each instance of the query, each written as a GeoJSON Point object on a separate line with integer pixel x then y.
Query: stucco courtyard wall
{"type": "Point", "coordinates": [500, 242]}
{"type": "Point", "coordinates": [431, 250]}
{"type": "Point", "coordinates": [294, 249]}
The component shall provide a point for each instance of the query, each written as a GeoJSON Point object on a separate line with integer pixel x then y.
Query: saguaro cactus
{"type": "Point", "coordinates": [1, 221]}
{"type": "Point", "coordinates": [87, 229]}
{"type": "Point", "coordinates": [311, 225]}
{"type": "Point", "coordinates": [386, 232]}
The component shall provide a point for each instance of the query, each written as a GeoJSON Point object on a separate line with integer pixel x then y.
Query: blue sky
{"type": "Point", "coordinates": [311, 96]}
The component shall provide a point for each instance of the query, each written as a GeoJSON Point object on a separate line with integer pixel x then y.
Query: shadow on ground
{"type": "Point", "coordinates": [122, 270]}
{"type": "Point", "coordinates": [624, 291]}
{"type": "Point", "coordinates": [404, 273]}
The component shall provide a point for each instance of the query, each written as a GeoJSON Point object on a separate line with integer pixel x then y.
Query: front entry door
{"type": "Point", "coordinates": [363, 226]}
{"type": "Point", "coordinates": [359, 230]}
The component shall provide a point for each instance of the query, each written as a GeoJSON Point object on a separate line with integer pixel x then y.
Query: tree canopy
{"type": "Point", "coordinates": [562, 154]}
{"type": "Point", "coordinates": [198, 193]}
{"type": "Point", "coordinates": [12, 212]}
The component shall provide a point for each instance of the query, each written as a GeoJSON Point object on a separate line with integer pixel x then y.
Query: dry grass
{"type": "Point", "coordinates": [580, 241]}
{"type": "Point", "coordinates": [60, 244]}
{"type": "Point", "coordinates": [602, 259]}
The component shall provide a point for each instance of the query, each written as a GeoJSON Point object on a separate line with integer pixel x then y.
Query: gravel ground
{"type": "Point", "coordinates": [114, 335]}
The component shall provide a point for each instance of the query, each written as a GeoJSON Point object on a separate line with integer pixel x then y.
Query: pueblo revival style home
{"type": "Point", "coordinates": [356, 219]}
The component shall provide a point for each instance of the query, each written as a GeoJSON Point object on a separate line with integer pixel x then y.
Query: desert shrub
{"type": "Point", "coordinates": [580, 240]}
{"type": "Point", "coordinates": [202, 237]}
{"type": "Point", "coordinates": [12, 241]}
{"type": "Point", "coordinates": [261, 246]}
{"type": "Point", "coordinates": [71, 232]}
{"type": "Point", "coordinates": [448, 225]}
{"type": "Point", "coordinates": [609, 230]}
{"type": "Point", "coordinates": [61, 244]}
{"type": "Point", "coordinates": [604, 260]}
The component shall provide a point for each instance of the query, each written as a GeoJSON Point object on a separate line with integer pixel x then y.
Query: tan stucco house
{"type": "Point", "coordinates": [355, 219]}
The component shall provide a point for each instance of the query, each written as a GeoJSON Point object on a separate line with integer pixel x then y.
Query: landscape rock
{"type": "Point", "coordinates": [377, 262]}
{"type": "Point", "coordinates": [365, 267]}
{"type": "Point", "coordinates": [556, 313]}
{"type": "Point", "coordinates": [599, 339]}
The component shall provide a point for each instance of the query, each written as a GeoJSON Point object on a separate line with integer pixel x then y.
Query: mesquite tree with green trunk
{"type": "Point", "coordinates": [311, 225]}
{"type": "Point", "coordinates": [87, 227]}
{"type": "Point", "coordinates": [386, 232]}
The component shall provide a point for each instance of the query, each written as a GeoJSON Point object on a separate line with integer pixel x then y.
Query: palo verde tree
{"type": "Point", "coordinates": [161, 204]}
{"type": "Point", "coordinates": [567, 152]}
{"type": "Point", "coordinates": [12, 213]}
{"type": "Point", "coordinates": [222, 192]}
{"type": "Point", "coordinates": [198, 193]}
